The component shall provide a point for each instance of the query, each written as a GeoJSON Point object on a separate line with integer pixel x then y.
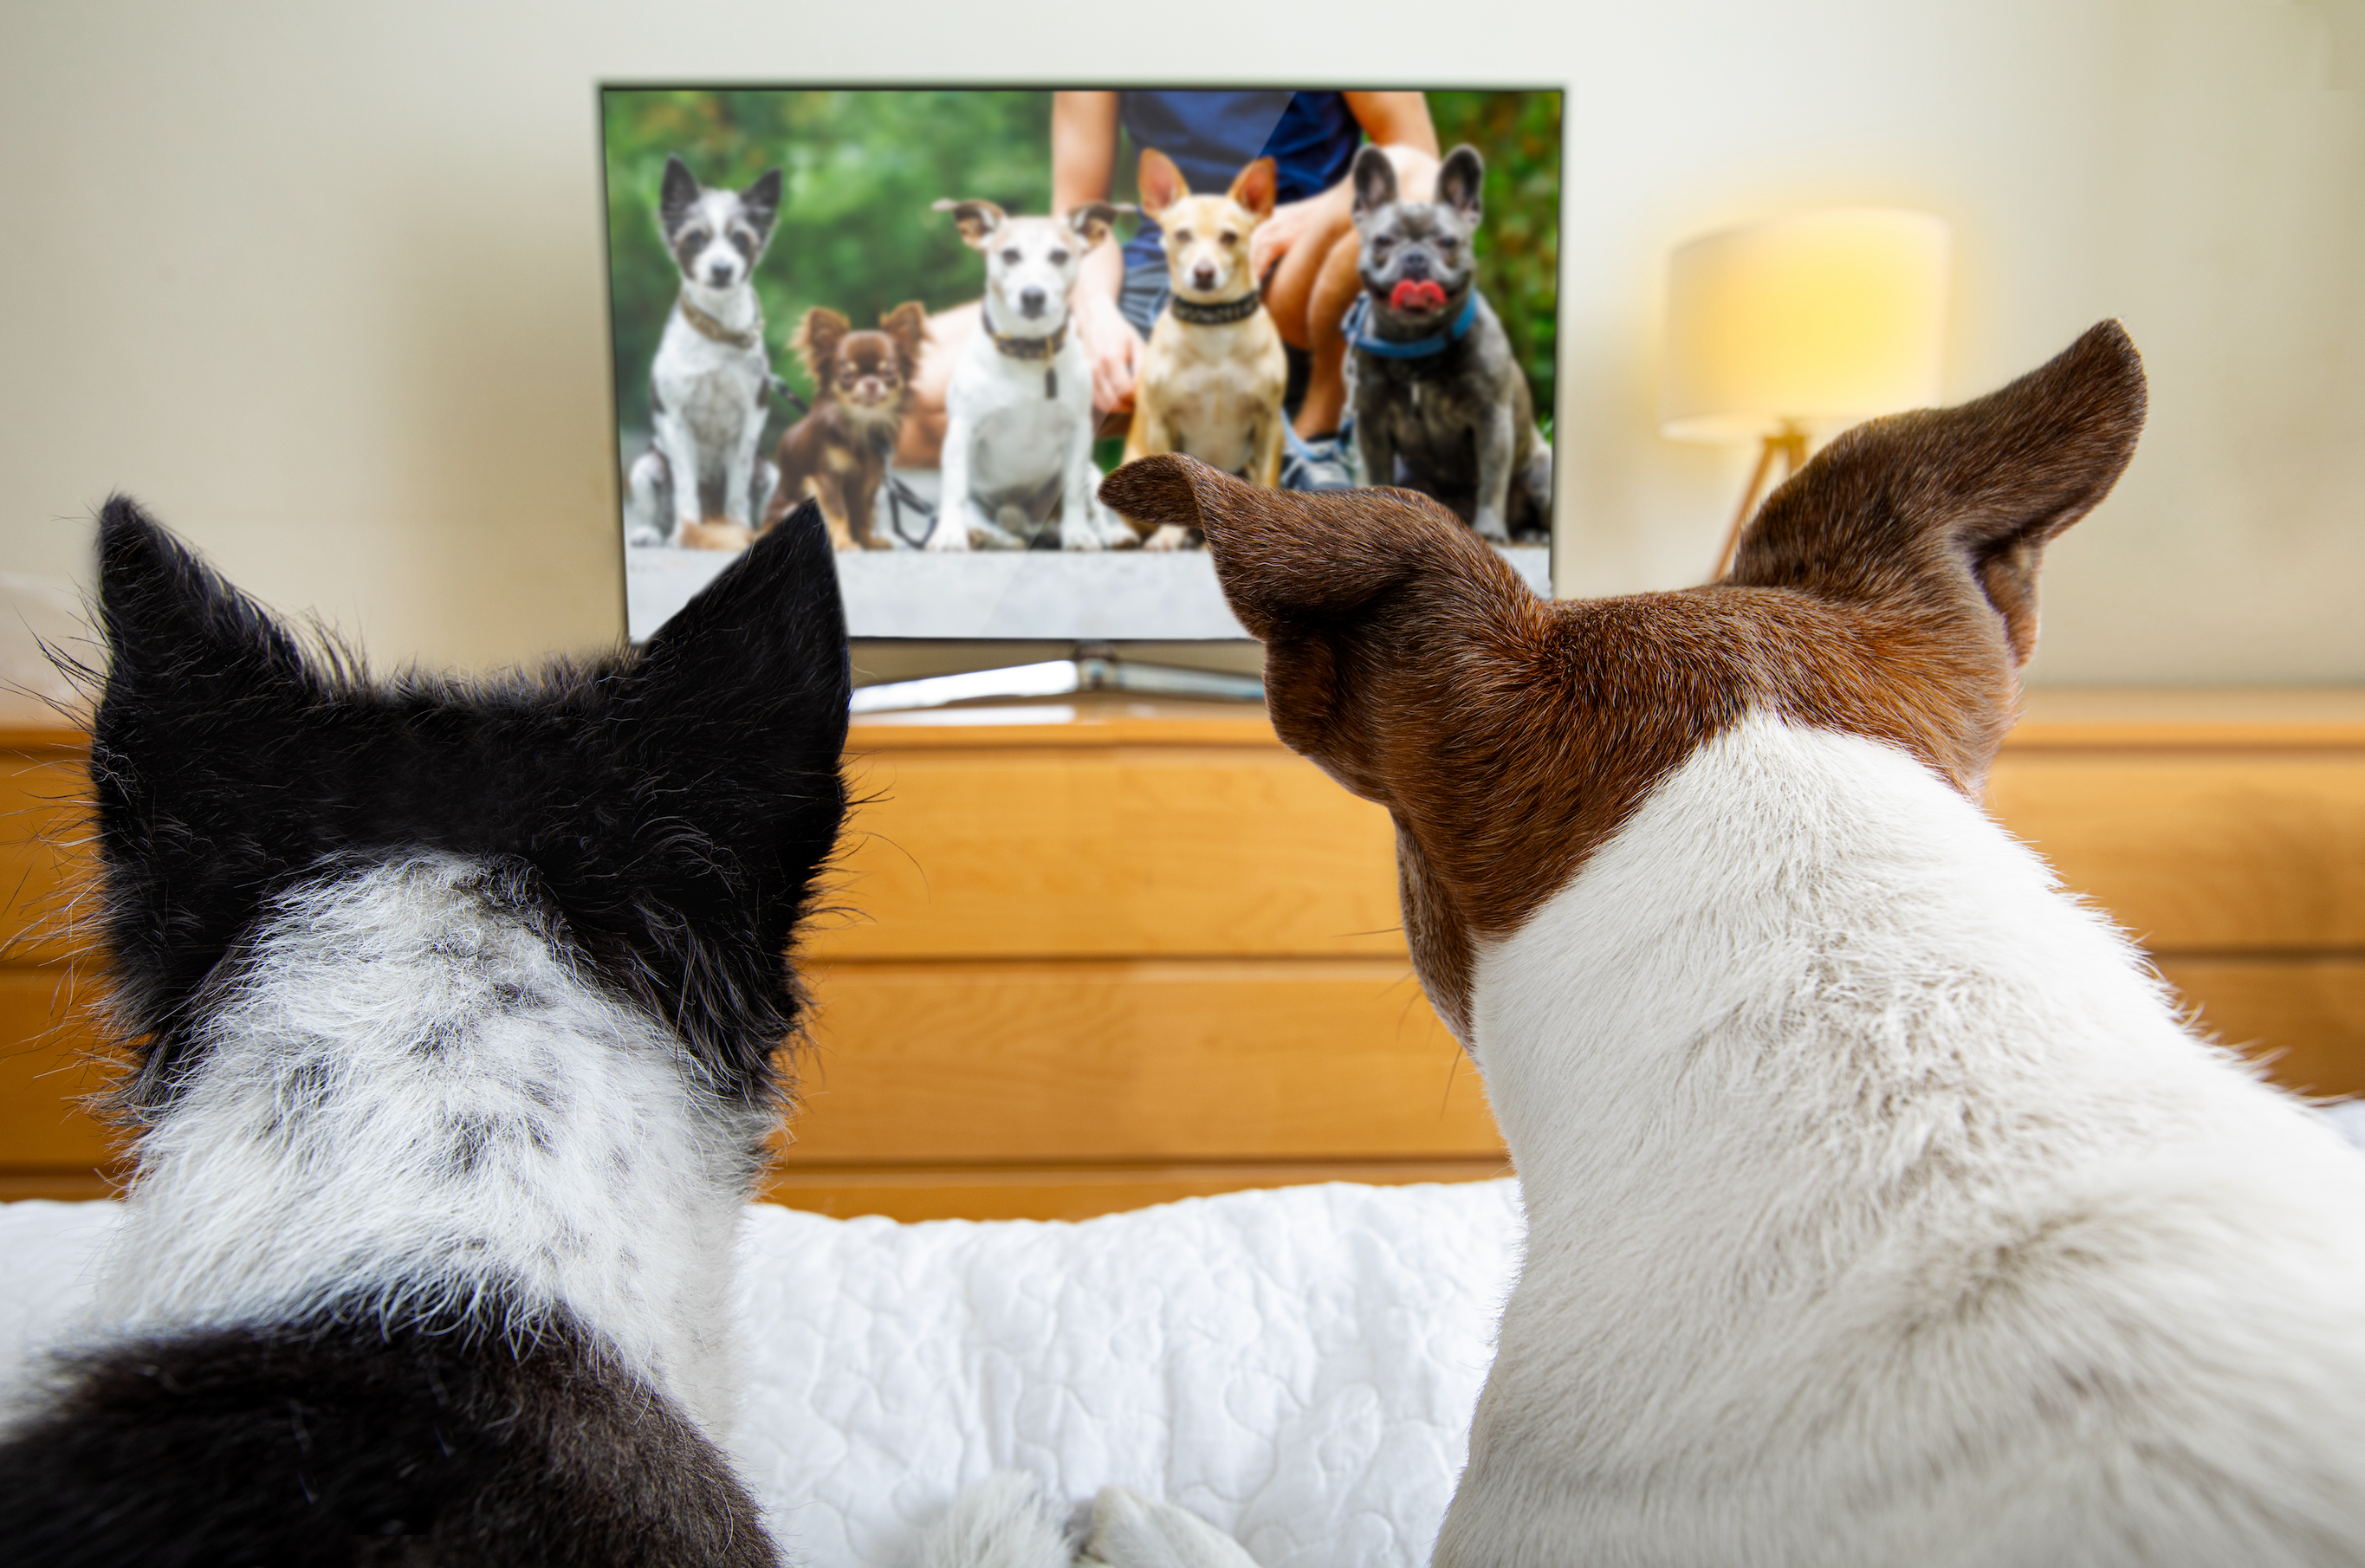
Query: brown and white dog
{"type": "Point", "coordinates": [1214, 374]}
{"type": "Point", "coordinates": [837, 453]}
{"type": "Point", "coordinates": [1881, 1208]}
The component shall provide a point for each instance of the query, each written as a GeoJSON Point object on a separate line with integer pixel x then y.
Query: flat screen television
{"type": "Point", "coordinates": [820, 291]}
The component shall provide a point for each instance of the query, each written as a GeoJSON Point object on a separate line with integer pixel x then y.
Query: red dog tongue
{"type": "Point", "coordinates": [1422, 295]}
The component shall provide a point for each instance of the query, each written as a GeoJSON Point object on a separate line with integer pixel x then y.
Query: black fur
{"type": "Point", "coordinates": [673, 808]}
{"type": "Point", "coordinates": [352, 1441]}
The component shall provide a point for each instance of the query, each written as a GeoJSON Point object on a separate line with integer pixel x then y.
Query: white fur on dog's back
{"type": "Point", "coordinates": [409, 1099]}
{"type": "Point", "coordinates": [1881, 1211]}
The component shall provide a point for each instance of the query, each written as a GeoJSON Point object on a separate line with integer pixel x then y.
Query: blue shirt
{"type": "Point", "coordinates": [1212, 136]}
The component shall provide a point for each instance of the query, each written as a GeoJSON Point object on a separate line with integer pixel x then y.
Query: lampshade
{"type": "Point", "coordinates": [1822, 318]}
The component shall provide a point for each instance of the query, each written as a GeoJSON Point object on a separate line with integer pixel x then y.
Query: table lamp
{"type": "Point", "coordinates": [1821, 318]}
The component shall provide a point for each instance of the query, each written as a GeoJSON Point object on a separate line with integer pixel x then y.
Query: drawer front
{"type": "Point", "coordinates": [2302, 1018]}
{"type": "Point", "coordinates": [1127, 852]}
{"type": "Point", "coordinates": [43, 857]}
{"type": "Point", "coordinates": [1100, 1061]}
{"type": "Point", "coordinates": [46, 1068]}
{"type": "Point", "coordinates": [2202, 851]}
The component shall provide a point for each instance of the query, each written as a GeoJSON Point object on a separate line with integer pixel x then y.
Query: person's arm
{"type": "Point", "coordinates": [1084, 168]}
{"type": "Point", "coordinates": [1390, 119]}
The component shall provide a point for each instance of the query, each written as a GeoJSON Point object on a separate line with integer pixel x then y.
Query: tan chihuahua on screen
{"type": "Point", "coordinates": [1213, 376]}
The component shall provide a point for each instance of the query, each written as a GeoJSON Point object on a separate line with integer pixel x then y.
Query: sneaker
{"type": "Point", "coordinates": [1316, 464]}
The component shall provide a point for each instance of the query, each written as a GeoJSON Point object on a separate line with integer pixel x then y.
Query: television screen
{"type": "Point", "coordinates": [945, 314]}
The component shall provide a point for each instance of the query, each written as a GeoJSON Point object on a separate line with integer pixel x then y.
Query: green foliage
{"type": "Point", "coordinates": [856, 233]}
{"type": "Point", "coordinates": [1519, 245]}
{"type": "Point", "coordinates": [855, 230]}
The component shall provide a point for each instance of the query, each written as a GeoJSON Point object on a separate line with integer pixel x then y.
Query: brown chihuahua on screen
{"type": "Point", "coordinates": [1213, 376]}
{"type": "Point", "coordinates": [837, 454]}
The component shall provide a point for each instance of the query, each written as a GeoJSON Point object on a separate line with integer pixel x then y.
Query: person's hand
{"type": "Point", "coordinates": [1271, 241]}
{"type": "Point", "coordinates": [1115, 350]}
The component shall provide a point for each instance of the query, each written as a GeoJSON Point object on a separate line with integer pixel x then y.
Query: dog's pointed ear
{"type": "Point", "coordinates": [978, 220]}
{"type": "Point", "coordinates": [1461, 182]}
{"type": "Point", "coordinates": [907, 325]}
{"type": "Point", "coordinates": [816, 341]}
{"type": "Point", "coordinates": [1340, 589]}
{"type": "Point", "coordinates": [1161, 182]}
{"type": "Point", "coordinates": [1092, 222]}
{"type": "Point", "coordinates": [762, 200]}
{"type": "Point", "coordinates": [1257, 188]}
{"type": "Point", "coordinates": [677, 194]}
{"type": "Point", "coordinates": [1375, 180]}
{"type": "Point", "coordinates": [1903, 507]}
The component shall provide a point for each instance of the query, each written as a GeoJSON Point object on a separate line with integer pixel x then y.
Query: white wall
{"type": "Point", "coordinates": [324, 285]}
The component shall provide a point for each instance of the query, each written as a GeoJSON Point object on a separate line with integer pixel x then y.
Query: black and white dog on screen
{"type": "Point", "coordinates": [453, 1009]}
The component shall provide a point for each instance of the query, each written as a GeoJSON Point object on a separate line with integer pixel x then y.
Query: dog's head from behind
{"type": "Point", "coordinates": [716, 236]}
{"type": "Point", "coordinates": [1207, 237]}
{"type": "Point", "coordinates": [1419, 257]}
{"type": "Point", "coordinates": [868, 373]}
{"type": "Point", "coordinates": [1889, 590]}
{"type": "Point", "coordinates": [660, 818]}
{"type": "Point", "coordinates": [1031, 263]}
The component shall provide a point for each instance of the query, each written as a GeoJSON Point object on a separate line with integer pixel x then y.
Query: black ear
{"type": "Point", "coordinates": [1900, 508]}
{"type": "Point", "coordinates": [762, 199]}
{"type": "Point", "coordinates": [1375, 180]}
{"type": "Point", "coordinates": [1461, 182]}
{"type": "Point", "coordinates": [677, 194]}
{"type": "Point", "coordinates": [200, 715]}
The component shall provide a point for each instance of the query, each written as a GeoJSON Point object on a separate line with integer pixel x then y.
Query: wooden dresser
{"type": "Point", "coordinates": [1104, 955]}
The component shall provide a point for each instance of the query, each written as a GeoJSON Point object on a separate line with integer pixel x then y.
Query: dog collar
{"type": "Point", "coordinates": [1025, 348]}
{"type": "Point", "coordinates": [1359, 316]}
{"type": "Point", "coordinates": [1223, 313]}
{"type": "Point", "coordinates": [708, 326]}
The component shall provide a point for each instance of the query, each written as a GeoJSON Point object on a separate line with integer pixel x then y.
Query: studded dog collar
{"type": "Point", "coordinates": [708, 326]}
{"type": "Point", "coordinates": [1220, 314]}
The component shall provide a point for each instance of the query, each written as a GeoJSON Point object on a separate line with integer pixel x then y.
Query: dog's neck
{"type": "Point", "coordinates": [1027, 339]}
{"type": "Point", "coordinates": [408, 1098]}
{"type": "Point", "coordinates": [1215, 312]}
{"type": "Point", "coordinates": [1807, 970]}
{"type": "Point", "coordinates": [731, 316]}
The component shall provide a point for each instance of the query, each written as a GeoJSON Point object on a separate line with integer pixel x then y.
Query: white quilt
{"type": "Point", "coordinates": [1297, 1366]}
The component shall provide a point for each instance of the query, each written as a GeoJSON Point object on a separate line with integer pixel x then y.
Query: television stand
{"type": "Point", "coordinates": [1094, 667]}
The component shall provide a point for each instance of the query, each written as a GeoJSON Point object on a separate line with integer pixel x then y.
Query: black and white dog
{"type": "Point", "coordinates": [453, 1009]}
{"type": "Point", "coordinates": [711, 384]}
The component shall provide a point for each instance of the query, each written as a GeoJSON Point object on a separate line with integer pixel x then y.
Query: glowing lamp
{"type": "Point", "coordinates": [1818, 321]}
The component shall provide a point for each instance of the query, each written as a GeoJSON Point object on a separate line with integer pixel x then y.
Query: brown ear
{"type": "Point", "coordinates": [1162, 183]}
{"type": "Point", "coordinates": [1332, 585]}
{"type": "Point", "coordinates": [1092, 222]}
{"type": "Point", "coordinates": [978, 220]}
{"type": "Point", "coordinates": [907, 324]}
{"type": "Point", "coordinates": [816, 341]}
{"type": "Point", "coordinates": [1897, 509]}
{"type": "Point", "coordinates": [1256, 187]}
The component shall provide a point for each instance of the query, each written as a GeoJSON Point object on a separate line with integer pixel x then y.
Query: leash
{"type": "Point", "coordinates": [1359, 316]}
{"type": "Point", "coordinates": [1223, 313]}
{"type": "Point", "coordinates": [708, 326]}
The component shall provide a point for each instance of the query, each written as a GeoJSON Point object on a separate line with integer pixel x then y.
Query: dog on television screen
{"type": "Point", "coordinates": [1881, 1207]}
{"type": "Point", "coordinates": [1017, 465]}
{"type": "Point", "coordinates": [1441, 405]}
{"type": "Point", "coordinates": [452, 1009]}
{"type": "Point", "coordinates": [702, 483]}
{"type": "Point", "coordinates": [837, 454]}
{"type": "Point", "coordinates": [1214, 374]}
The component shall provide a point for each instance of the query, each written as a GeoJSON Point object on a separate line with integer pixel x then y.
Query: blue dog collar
{"type": "Point", "coordinates": [1359, 316]}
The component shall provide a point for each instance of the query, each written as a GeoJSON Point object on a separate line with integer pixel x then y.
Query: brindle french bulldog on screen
{"type": "Point", "coordinates": [1441, 404]}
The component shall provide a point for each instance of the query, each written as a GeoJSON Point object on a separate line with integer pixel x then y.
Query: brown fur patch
{"type": "Point", "coordinates": [715, 533]}
{"type": "Point", "coordinates": [1887, 589]}
{"type": "Point", "coordinates": [837, 453]}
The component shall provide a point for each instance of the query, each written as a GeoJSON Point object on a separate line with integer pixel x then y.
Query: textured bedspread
{"type": "Point", "coordinates": [1296, 1366]}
